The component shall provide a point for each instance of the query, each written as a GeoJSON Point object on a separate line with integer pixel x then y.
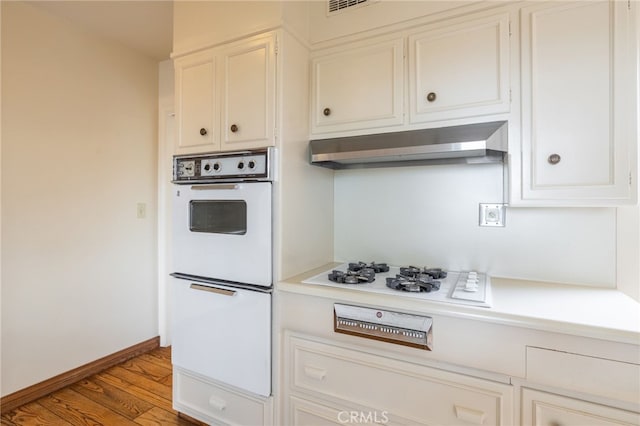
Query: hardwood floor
{"type": "Point", "coordinates": [136, 392]}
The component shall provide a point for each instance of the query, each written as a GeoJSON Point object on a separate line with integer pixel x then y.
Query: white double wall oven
{"type": "Point", "coordinates": [222, 281]}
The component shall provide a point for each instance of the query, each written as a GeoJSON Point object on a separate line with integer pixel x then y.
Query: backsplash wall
{"type": "Point", "coordinates": [428, 216]}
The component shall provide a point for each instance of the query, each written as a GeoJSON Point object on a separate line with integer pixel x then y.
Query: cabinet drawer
{"type": "Point", "coordinates": [597, 376]}
{"type": "Point", "coordinates": [414, 392]}
{"type": "Point", "coordinates": [547, 409]}
{"type": "Point", "coordinates": [209, 402]}
{"type": "Point", "coordinates": [304, 412]}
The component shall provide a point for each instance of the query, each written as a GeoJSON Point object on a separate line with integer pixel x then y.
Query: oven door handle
{"type": "Point", "coordinates": [217, 290]}
{"type": "Point", "coordinates": [218, 186]}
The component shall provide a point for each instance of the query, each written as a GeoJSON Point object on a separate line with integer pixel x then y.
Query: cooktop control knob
{"type": "Point", "coordinates": [216, 166]}
{"type": "Point", "coordinates": [252, 164]}
{"type": "Point", "coordinates": [472, 282]}
{"type": "Point", "coordinates": [241, 165]}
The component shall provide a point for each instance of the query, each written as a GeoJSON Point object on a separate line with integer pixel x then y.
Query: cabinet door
{"type": "Point", "coordinates": [358, 87]}
{"type": "Point", "coordinates": [196, 103]}
{"type": "Point", "coordinates": [459, 70]}
{"type": "Point", "coordinates": [579, 96]}
{"type": "Point", "coordinates": [249, 94]}
{"type": "Point", "coordinates": [547, 409]}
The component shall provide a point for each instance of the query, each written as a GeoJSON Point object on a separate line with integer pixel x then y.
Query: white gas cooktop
{"type": "Point", "coordinates": [463, 288]}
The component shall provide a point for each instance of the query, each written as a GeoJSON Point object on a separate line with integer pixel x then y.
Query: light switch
{"type": "Point", "coordinates": [141, 210]}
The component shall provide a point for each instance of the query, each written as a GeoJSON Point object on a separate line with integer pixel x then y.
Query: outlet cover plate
{"type": "Point", "coordinates": [492, 214]}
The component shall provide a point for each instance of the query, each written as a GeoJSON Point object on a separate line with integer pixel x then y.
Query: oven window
{"type": "Point", "coordinates": [218, 217]}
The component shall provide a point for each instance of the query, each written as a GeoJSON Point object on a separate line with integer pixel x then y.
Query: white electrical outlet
{"type": "Point", "coordinates": [492, 214]}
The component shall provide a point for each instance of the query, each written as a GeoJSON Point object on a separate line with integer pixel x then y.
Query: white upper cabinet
{"type": "Point", "coordinates": [249, 94]}
{"type": "Point", "coordinates": [357, 87]}
{"type": "Point", "coordinates": [225, 97]}
{"type": "Point", "coordinates": [579, 104]}
{"type": "Point", "coordinates": [459, 70]}
{"type": "Point", "coordinates": [195, 77]}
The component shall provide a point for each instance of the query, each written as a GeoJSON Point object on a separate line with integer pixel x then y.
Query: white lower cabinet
{"type": "Point", "coordinates": [382, 390]}
{"type": "Point", "coordinates": [548, 409]}
{"type": "Point", "coordinates": [570, 389]}
{"type": "Point", "coordinates": [305, 412]}
{"type": "Point", "coordinates": [215, 404]}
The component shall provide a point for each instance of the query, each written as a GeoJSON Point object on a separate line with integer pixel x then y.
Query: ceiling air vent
{"type": "Point", "coordinates": [336, 5]}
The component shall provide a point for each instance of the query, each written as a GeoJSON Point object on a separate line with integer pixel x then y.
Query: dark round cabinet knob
{"type": "Point", "coordinates": [203, 131]}
{"type": "Point", "coordinates": [234, 128]}
{"type": "Point", "coordinates": [554, 159]}
{"type": "Point", "coordinates": [431, 96]}
{"type": "Point", "coordinates": [326, 112]}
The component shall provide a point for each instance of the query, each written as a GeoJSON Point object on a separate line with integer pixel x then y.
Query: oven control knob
{"type": "Point", "coordinates": [252, 164]}
{"type": "Point", "coordinates": [207, 167]}
{"type": "Point", "coordinates": [216, 166]}
{"type": "Point", "coordinates": [241, 165]}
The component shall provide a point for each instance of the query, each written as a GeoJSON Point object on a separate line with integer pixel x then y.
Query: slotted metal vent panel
{"type": "Point", "coordinates": [336, 5]}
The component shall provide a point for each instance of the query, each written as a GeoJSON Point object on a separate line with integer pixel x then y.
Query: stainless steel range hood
{"type": "Point", "coordinates": [472, 143]}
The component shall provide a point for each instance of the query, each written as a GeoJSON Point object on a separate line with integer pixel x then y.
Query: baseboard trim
{"type": "Point", "coordinates": [31, 393]}
{"type": "Point", "coordinates": [191, 419]}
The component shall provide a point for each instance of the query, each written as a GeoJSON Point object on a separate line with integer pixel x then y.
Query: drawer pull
{"type": "Point", "coordinates": [213, 290]}
{"type": "Point", "coordinates": [469, 415]}
{"type": "Point", "coordinates": [217, 403]}
{"type": "Point", "coordinates": [315, 373]}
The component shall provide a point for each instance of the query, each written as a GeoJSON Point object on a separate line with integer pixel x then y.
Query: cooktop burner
{"type": "Point", "coordinates": [434, 284]}
{"type": "Point", "coordinates": [413, 272]}
{"type": "Point", "coordinates": [423, 282]}
{"type": "Point", "coordinates": [363, 275]}
{"type": "Point", "coordinates": [358, 273]}
{"type": "Point", "coordinates": [415, 280]}
{"type": "Point", "coordinates": [377, 267]}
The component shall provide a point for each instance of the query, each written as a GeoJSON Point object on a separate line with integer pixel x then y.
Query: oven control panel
{"type": "Point", "coordinates": [224, 166]}
{"type": "Point", "coordinates": [394, 327]}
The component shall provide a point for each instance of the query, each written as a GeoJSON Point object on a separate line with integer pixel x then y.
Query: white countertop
{"type": "Point", "coordinates": [599, 313]}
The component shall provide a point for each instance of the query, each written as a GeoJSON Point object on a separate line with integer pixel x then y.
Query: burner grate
{"type": "Point", "coordinates": [377, 267]}
{"type": "Point", "coordinates": [415, 280]}
{"type": "Point", "coordinates": [364, 275]}
{"type": "Point", "coordinates": [358, 273]}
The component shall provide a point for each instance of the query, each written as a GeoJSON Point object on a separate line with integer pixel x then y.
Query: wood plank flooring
{"type": "Point", "coordinates": [136, 392]}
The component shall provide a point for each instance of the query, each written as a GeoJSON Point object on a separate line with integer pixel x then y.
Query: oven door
{"type": "Point", "coordinates": [223, 333]}
{"type": "Point", "coordinates": [223, 231]}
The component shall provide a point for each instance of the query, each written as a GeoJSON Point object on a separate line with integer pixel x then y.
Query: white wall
{"type": "Point", "coordinates": [374, 14]}
{"type": "Point", "coordinates": [198, 24]}
{"type": "Point", "coordinates": [428, 216]}
{"type": "Point", "coordinates": [304, 194]}
{"type": "Point", "coordinates": [166, 140]}
{"type": "Point", "coordinates": [79, 131]}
